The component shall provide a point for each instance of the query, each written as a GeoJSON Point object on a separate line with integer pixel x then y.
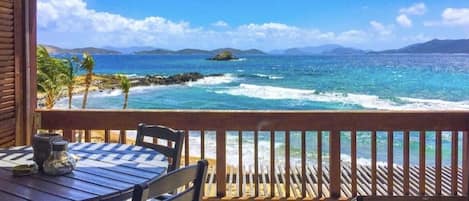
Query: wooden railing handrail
{"type": "Point", "coordinates": [257, 120]}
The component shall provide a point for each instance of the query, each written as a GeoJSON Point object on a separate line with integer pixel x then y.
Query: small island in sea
{"type": "Point", "coordinates": [223, 56]}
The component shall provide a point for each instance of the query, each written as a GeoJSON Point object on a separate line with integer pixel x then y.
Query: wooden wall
{"type": "Point", "coordinates": [17, 17]}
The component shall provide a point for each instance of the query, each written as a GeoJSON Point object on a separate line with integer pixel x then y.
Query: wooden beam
{"type": "Point", "coordinates": [257, 120]}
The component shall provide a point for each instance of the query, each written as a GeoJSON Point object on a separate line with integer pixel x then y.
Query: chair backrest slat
{"type": "Point", "coordinates": [194, 174]}
{"type": "Point", "coordinates": [167, 151]}
{"type": "Point", "coordinates": [162, 133]}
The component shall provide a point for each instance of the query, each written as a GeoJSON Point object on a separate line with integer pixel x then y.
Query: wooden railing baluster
{"type": "Point", "coordinates": [406, 161]}
{"type": "Point", "coordinates": [87, 135]}
{"type": "Point", "coordinates": [186, 147]}
{"type": "Point", "coordinates": [373, 162]}
{"type": "Point", "coordinates": [422, 139]}
{"type": "Point", "coordinates": [107, 136]}
{"type": "Point", "coordinates": [319, 176]}
{"type": "Point", "coordinates": [123, 137]}
{"type": "Point", "coordinates": [68, 135]}
{"type": "Point", "coordinates": [240, 163]}
{"type": "Point", "coordinates": [256, 163]}
{"type": "Point", "coordinates": [465, 164]}
{"type": "Point", "coordinates": [353, 155]}
{"type": "Point", "coordinates": [390, 162]}
{"type": "Point", "coordinates": [272, 164]}
{"type": "Point", "coordinates": [454, 162]}
{"type": "Point", "coordinates": [303, 164]}
{"type": "Point", "coordinates": [287, 164]}
{"type": "Point", "coordinates": [334, 163]}
{"type": "Point", "coordinates": [221, 162]}
{"type": "Point", "coordinates": [438, 162]}
{"type": "Point", "coordinates": [202, 144]}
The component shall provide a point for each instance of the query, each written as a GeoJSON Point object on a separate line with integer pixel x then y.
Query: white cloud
{"type": "Point", "coordinates": [456, 16]}
{"type": "Point", "coordinates": [415, 9]}
{"type": "Point", "coordinates": [220, 23]}
{"type": "Point", "coordinates": [380, 28]}
{"type": "Point", "coordinates": [403, 20]}
{"type": "Point", "coordinates": [70, 23]}
{"type": "Point", "coordinates": [451, 17]}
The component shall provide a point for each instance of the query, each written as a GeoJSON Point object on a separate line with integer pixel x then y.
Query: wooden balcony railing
{"type": "Point", "coordinates": [318, 177]}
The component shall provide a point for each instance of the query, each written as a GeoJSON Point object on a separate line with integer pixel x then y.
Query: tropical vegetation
{"type": "Point", "coordinates": [87, 64]}
{"type": "Point", "coordinates": [55, 74]}
{"type": "Point", "coordinates": [125, 86]}
{"type": "Point", "coordinates": [50, 76]}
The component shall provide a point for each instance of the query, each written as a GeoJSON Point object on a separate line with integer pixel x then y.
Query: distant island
{"type": "Point", "coordinates": [435, 46]}
{"type": "Point", "coordinates": [92, 50]}
{"type": "Point", "coordinates": [328, 49]}
{"type": "Point", "coordinates": [202, 52]}
{"type": "Point", "coordinates": [223, 56]}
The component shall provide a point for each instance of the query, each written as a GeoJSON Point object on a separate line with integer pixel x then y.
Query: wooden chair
{"type": "Point", "coordinates": [163, 133]}
{"type": "Point", "coordinates": [194, 174]}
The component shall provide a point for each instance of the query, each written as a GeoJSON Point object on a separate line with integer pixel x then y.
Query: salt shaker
{"type": "Point", "coordinates": [60, 162]}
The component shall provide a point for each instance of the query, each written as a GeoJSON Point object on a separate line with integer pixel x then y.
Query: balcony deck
{"type": "Point", "coordinates": [310, 179]}
{"type": "Point", "coordinates": [233, 184]}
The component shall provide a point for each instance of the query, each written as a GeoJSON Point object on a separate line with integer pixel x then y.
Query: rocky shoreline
{"type": "Point", "coordinates": [104, 82]}
{"type": "Point", "coordinates": [113, 82]}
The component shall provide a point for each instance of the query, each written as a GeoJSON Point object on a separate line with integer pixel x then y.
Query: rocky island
{"type": "Point", "coordinates": [223, 56]}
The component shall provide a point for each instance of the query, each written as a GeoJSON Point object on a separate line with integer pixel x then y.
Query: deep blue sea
{"type": "Point", "coordinates": [376, 82]}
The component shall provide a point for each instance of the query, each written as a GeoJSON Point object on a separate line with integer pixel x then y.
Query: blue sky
{"type": "Point", "coordinates": [263, 24]}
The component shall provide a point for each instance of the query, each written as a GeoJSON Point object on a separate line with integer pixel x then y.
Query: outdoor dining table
{"type": "Point", "coordinates": [103, 172]}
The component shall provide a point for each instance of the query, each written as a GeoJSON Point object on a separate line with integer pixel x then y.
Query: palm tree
{"type": "Point", "coordinates": [69, 78]}
{"type": "Point", "coordinates": [87, 64]}
{"type": "Point", "coordinates": [49, 76]}
{"type": "Point", "coordinates": [125, 86]}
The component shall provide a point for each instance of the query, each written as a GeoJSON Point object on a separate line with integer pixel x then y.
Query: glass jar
{"type": "Point", "coordinates": [42, 146]}
{"type": "Point", "coordinates": [60, 162]}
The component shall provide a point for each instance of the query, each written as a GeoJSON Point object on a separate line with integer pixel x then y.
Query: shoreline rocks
{"type": "Point", "coordinates": [103, 82]}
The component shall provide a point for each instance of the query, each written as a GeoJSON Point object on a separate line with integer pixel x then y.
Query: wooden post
{"type": "Point", "coordinates": [373, 163]}
{"type": "Point", "coordinates": [68, 135]}
{"type": "Point", "coordinates": [186, 147]}
{"type": "Point", "coordinates": [87, 135]}
{"type": "Point", "coordinates": [272, 164]}
{"type": "Point", "coordinates": [438, 163]}
{"type": "Point", "coordinates": [287, 164]}
{"type": "Point", "coordinates": [221, 163]}
{"type": "Point", "coordinates": [390, 162]}
{"type": "Point", "coordinates": [422, 139]}
{"type": "Point", "coordinates": [107, 136]}
{"type": "Point", "coordinates": [122, 137]}
{"type": "Point", "coordinates": [454, 162]}
{"type": "Point", "coordinates": [465, 164]}
{"type": "Point", "coordinates": [334, 163]}
{"type": "Point", "coordinates": [406, 161]}
{"type": "Point", "coordinates": [31, 77]}
{"type": "Point", "coordinates": [256, 164]}
{"type": "Point", "coordinates": [353, 155]}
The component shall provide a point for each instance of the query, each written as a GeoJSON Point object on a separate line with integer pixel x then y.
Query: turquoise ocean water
{"type": "Point", "coordinates": [374, 82]}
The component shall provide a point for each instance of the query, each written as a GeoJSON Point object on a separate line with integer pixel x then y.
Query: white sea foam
{"type": "Point", "coordinates": [240, 59]}
{"type": "Point", "coordinates": [272, 77]}
{"type": "Point", "coordinates": [366, 101]}
{"type": "Point", "coordinates": [214, 80]}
